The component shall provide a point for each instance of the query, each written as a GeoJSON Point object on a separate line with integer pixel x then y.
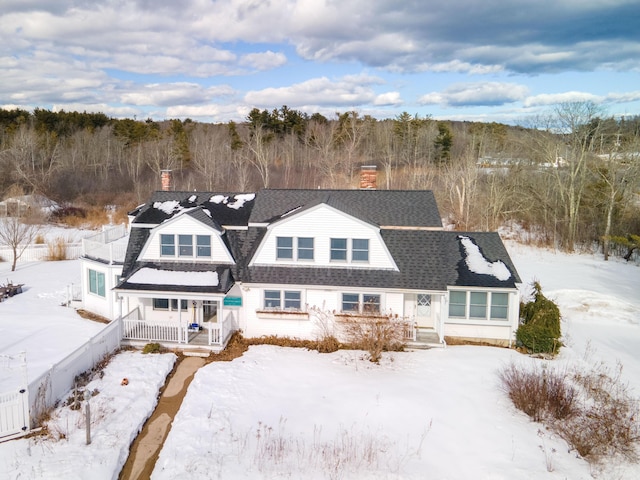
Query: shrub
{"type": "Point", "coordinates": [57, 250]}
{"type": "Point", "coordinates": [152, 348]}
{"type": "Point", "coordinates": [540, 393]}
{"type": "Point", "coordinates": [374, 333]}
{"type": "Point", "coordinates": [539, 330]}
{"type": "Point", "coordinates": [591, 410]}
{"type": "Point", "coordinates": [39, 240]}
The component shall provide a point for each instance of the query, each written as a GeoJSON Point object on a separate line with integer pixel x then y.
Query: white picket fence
{"type": "Point", "coordinates": [35, 253]}
{"type": "Point", "coordinates": [20, 411]}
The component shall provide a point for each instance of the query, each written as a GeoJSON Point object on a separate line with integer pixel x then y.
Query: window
{"type": "Point", "coordinates": [499, 306]}
{"type": "Point", "coordinates": [458, 304]}
{"type": "Point", "coordinates": [305, 248]}
{"type": "Point", "coordinates": [96, 283]}
{"type": "Point", "coordinates": [167, 245]}
{"type": "Point", "coordinates": [350, 302]}
{"type": "Point", "coordinates": [272, 299]}
{"type": "Point", "coordinates": [161, 304]}
{"type": "Point", "coordinates": [356, 302]}
{"type": "Point", "coordinates": [476, 305]}
{"type": "Point", "coordinates": [183, 304]}
{"type": "Point", "coordinates": [339, 249]}
{"type": "Point", "coordinates": [284, 248]}
{"type": "Point", "coordinates": [185, 245]}
{"type": "Point", "coordinates": [203, 245]}
{"type": "Point", "coordinates": [292, 300]}
{"type": "Point", "coordinates": [360, 250]}
{"type": "Point", "coordinates": [276, 299]}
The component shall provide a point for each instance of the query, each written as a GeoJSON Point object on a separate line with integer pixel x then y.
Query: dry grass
{"type": "Point", "coordinates": [57, 249]}
{"type": "Point", "coordinates": [592, 410]}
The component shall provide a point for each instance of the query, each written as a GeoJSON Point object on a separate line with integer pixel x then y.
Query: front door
{"type": "Point", "coordinates": [210, 311]}
{"type": "Point", "coordinates": [424, 318]}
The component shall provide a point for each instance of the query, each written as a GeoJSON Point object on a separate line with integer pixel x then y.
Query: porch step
{"type": "Point", "coordinates": [426, 339]}
{"type": "Point", "coordinates": [196, 352]}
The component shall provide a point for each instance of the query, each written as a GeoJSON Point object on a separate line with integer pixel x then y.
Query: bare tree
{"type": "Point", "coordinates": [17, 233]}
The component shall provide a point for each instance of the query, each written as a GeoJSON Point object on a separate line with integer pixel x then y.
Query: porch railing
{"type": "Point", "coordinates": [410, 331]}
{"type": "Point", "coordinates": [103, 245]}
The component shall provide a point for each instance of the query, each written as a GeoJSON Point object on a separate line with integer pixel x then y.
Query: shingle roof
{"type": "Point", "coordinates": [407, 208]}
{"type": "Point", "coordinates": [158, 208]}
{"type": "Point", "coordinates": [224, 275]}
{"type": "Point", "coordinates": [427, 259]}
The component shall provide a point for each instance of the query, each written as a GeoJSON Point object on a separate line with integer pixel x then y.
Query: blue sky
{"type": "Point", "coordinates": [214, 60]}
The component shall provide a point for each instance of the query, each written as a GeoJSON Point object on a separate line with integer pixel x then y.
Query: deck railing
{"type": "Point", "coordinates": [103, 245]}
{"type": "Point", "coordinates": [153, 332]}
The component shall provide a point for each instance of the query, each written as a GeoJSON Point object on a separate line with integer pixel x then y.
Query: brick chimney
{"type": "Point", "coordinates": [165, 176]}
{"type": "Point", "coordinates": [368, 177]}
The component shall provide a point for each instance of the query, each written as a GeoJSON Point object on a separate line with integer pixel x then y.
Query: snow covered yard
{"type": "Point", "coordinates": [288, 413]}
{"type": "Point", "coordinates": [117, 414]}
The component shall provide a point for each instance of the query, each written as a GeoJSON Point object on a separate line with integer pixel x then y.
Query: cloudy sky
{"type": "Point", "coordinates": [214, 60]}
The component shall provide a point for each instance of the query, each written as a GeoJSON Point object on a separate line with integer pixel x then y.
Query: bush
{"type": "Point", "coordinates": [57, 250]}
{"type": "Point", "coordinates": [374, 333]}
{"type": "Point", "coordinates": [152, 348]}
{"type": "Point", "coordinates": [539, 393]}
{"type": "Point", "coordinates": [591, 410]}
{"type": "Point", "coordinates": [539, 330]}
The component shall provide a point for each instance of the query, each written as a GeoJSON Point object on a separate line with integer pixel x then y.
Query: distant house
{"type": "Point", "coordinates": [200, 265]}
{"type": "Point", "coordinates": [21, 205]}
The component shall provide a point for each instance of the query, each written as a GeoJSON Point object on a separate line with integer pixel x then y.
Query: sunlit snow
{"type": "Point", "coordinates": [153, 276]}
{"type": "Point", "coordinates": [477, 263]}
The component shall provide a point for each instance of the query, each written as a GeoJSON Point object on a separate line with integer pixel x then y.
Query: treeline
{"type": "Point", "coordinates": [569, 179]}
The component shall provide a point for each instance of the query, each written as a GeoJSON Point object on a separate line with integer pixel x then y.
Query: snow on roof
{"type": "Point", "coordinates": [153, 276]}
{"type": "Point", "coordinates": [168, 207]}
{"type": "Point", "coordinates": [238, 200]}
{"type": "Point", "coordinates": [477, 263]}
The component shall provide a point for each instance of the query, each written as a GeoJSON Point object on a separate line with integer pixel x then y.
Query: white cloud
{"type": "Point", "coordinates": [263, 60]}
{"type": "Point", "coordinates": [475, 94]}
{"type": "Point", "coordinates": [349, 91]}
{"type": "Point", "coordinates": [389, 98]}
{"type": "Point", "coordinates": [556, 98]}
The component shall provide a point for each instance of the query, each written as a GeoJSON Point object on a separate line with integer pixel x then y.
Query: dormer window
{"type": "Point", "coordinates": [284, 248]}
{"type": "Point", "coordinates": [339, 249]}
{"type": "Point", "coordinates": [203, 245]}
{"type": "Point", "coordinates": [185, 245]}
{"type": "Point", "coordinates": [305, 248]}
{"type": "Point", "coordinates": [167, 245]}
{"type": "Point", "coordinates": [360, 250]}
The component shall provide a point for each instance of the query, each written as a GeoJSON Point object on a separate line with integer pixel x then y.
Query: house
{"type": "Point", "coordinates": [200, 265]}
{"type": "Point", "coordinates": [23, 204]}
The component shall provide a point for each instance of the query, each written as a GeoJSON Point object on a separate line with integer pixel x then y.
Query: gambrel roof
{"type": "Point", "coordinates": [428, 258]}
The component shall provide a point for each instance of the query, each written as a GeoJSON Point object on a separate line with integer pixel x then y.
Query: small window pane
{"type": "Point", "coordinates": [167, 246]}
{"type": "Point", "coordinates": [292, 300]}
{"type": "Point", "coordinates": [272, 299]}
{"type": "Point", "coordinates": [284, 248]}
{"type": "Point", "coordinates": [499, 306]}
{"type": "Point", "coordinates": [161, 304]}
{"type": "Point", "coordinates": [478, 305]}
{"type": "Point", "coordinates": [457, 304]}
{"type": "Point", "coordinates": [305, 248]}
{"type": "Point", "coordinates": [339, 249]}
{"type": "Point", "coordinates": [185, 244]}
{"type": "Point", "coordinates": [350, 302]}
{"type": "Point", "coordinates": [360, 250]}
{"type": "Point", "coordinates": [371, 303]}
{"type": "Point", "coordinates": [203, 243]}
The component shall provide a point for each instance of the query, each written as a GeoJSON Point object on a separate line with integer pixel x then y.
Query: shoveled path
{"type": "Point", "coordinates": [146, 447]}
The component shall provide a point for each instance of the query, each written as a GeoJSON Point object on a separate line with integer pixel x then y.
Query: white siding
{"type": "Point", "coordinates": [106, 306]}
{"type": "Point", "coordinates": [323, 223]}
{"type": "Point", "coordinates": [189, 226]}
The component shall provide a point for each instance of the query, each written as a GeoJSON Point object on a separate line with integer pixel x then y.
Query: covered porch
{"type": "Point", "coordinates": [179, 323]}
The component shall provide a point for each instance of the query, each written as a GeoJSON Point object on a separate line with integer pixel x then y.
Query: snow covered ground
{"type": "Point", "coordinates": [288, 413]}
